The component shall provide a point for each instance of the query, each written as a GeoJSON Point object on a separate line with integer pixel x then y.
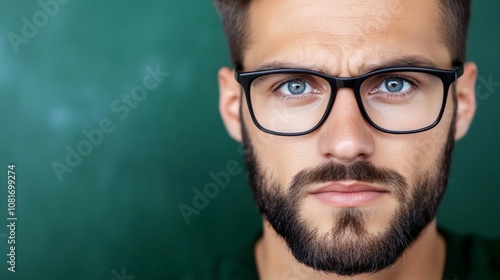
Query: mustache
{"type": "Point", "coordinates": [357, 171]}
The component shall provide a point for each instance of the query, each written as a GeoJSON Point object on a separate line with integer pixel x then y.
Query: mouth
{"type": "Point", "coordinates": [349, 194]}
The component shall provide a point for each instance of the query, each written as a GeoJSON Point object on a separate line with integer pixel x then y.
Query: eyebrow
{"type": "Point", "coordinates": [405, 61]}
{"type": "Point", "coordinates": [280, 65]}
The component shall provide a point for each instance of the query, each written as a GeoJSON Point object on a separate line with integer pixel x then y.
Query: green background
{"type": "Point", "coordinates": [118, 209]}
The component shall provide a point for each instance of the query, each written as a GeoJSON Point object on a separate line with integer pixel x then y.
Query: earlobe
{"type": "Point", "coordinates": [466, 99]}
{"type": "Point", "coordinates": [229, 102]}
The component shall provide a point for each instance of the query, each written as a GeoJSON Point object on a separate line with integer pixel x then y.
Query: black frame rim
{"type": "Point", "coordinates": [448, 77]}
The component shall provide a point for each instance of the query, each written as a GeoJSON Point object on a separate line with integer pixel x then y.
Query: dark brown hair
{"type": "Point", "coordinates": [233, 13]}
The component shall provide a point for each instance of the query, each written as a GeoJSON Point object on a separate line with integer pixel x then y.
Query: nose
{"type": "Point", "coordinates": [345, 136]}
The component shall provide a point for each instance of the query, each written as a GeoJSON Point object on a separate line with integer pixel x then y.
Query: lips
{"type": "Point", "coordinates": [349, 194]}
{"type": "Point", "coordinates": [348, 187]}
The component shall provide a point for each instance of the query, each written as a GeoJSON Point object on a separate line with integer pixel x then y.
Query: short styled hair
{"type": "Point", "coordinates": [234, 15]}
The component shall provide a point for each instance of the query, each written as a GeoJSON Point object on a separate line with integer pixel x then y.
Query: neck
{"type": "Point", "coordinates": [424, 259]}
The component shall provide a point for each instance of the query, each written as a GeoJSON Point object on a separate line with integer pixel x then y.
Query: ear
{"type": "Point", "coordinates": [466, 99]}
{"type": "Point", "coordinates": [229, 102]}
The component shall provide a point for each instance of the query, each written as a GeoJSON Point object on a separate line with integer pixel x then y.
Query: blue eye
{"type": "Point", "coordinates": [296, 87]}
{"type": "Point", "coordinates": [395, 85]}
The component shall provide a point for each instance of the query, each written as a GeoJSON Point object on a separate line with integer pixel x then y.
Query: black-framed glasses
{"type": "Point", "coordinates": [398, 100]}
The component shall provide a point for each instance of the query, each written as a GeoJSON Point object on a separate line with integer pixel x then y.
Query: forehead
{"type": "Point", "coordinates": [342, 37]}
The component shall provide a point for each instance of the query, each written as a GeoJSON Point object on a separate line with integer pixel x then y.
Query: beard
{"type": "Point", "coordinates": [348, 249]}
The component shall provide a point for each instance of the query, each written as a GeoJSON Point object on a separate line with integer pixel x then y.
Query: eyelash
{"type": "Point", "coordinates": [413, 83]}
{"type": "Point", "coordinates": [290, 96]}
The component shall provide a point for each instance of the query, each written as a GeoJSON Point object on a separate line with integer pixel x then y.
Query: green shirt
{"type": "Point", "coordinates": [467, 258]}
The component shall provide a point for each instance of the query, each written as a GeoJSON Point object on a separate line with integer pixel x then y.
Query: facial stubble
{"type": "Point", "coordinates": [348, 249]}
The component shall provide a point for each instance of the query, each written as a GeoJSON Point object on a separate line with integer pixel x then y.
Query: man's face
{"type": "Point", "coordinates": [347, 193]}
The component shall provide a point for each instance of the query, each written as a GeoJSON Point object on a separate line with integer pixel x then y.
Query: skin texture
{"type": "Point", "coordinates": [347, 38]}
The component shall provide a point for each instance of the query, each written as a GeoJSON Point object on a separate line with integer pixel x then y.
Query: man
{"type": "Point", "coordinates": [348, 112]}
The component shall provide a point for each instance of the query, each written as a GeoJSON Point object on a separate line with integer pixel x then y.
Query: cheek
{"type": "Point", "coordinates": [429, 146]}
{"type": "Point", "coordinates": [280, 157]}
{"type": "Point", "coordinates": [415, 154]}
{"type": "Point", "coordinates": [283, 157]}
